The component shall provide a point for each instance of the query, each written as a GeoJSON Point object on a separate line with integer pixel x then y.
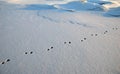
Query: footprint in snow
{"type": "Point", "coordinates": [115, 28]}
{"type": "Point", "coordinates": [71, 22]}
{"type": "Point", "coordinates": [94, 34]}
{"type": "Point", "coordinates": [105, 32]}
{"type": "Point", "coordinates": [83, 39]}
{"type": "Point", "coordinates": [68, 42]}
{"type": "Point", "coordinates": [5, 61]}
{"type": "Point", "coordinates": [31, 52]}
{"type": "Point", "coordinates": [50, 48]}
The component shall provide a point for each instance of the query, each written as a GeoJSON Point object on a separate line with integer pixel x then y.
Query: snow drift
{"type": "Point", "coordinates": [77, 5]}
{"type": "Point", "coordinates": [39, 7]}
{"type": "Point", "coordinates": [114, 12]}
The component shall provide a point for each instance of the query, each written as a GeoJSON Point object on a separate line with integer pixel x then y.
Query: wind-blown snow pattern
{"type": "Point", "coordinates": [115, 12]}
{"type": "Point", "coordinates": [48, 39]}
{"type": "Point", "coordinates": [39, 7]}
{"type": "Point", "coordinates": [77, 5]}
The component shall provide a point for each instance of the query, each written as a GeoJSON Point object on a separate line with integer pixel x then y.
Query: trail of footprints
{"type": "Point", "coordinates": [66, 43]}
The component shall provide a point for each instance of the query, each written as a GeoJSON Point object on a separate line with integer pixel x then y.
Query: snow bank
{"type": "Point", "coordinates": [101, 2]}
{"type": "Point", "coordinates": [114, 12]}
{"type": "Point", "coordinates": [77, 5]}
{"type": "Point", "coordinates": [39, 7]}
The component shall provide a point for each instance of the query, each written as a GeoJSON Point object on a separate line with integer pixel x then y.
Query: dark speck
{"type": "Point", "coordinates": [91, 34]}
{"type": "Point", "coordinates": [96, 34]}
{"type": "Point", "coordinates": [48, 49]}
{"type": "Point", "coordinates": [8, 60]}
{"type": "Point", "coordinates": [69, 42]}
{"type": "Point", "coordinates": [81, 40]}
{"type": "Point", "coordinates": [51, 47]}
{"type": "Point", "coordinates": [64, 42]}
{"type": "Point", "coordinates": [25, 52]}
{"type": "Point", "coordinates": [31, 52]}
{"type": "Point", "coordinates": [85, 38]}
{"type": "Point", "coordinates": [106, 31]}
{"type": "Point", "coordinates": [3, 62]}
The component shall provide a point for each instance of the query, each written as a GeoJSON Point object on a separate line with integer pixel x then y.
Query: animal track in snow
{"type": "Point", "coordinates": [3, 62]}
{"type": "Point", "coordinates": [31, 52]}
{"type": "Point", "coordinates": [94, 34]}
{"type": "Point", "coordinates": [68, 42]}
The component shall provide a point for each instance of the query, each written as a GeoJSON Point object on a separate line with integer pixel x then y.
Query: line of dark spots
{"type": "Point", "coordinates": [29, 52]}
{"type": "Point", "coordinates": [94, 34]}
{"type": "Point", "coordinates": [68, 42]}
{"type": "Point", "coordinates": [6, 61]}
{"type": "Point", "coordinates": [115, 28]}
{"type": "Point", "coordinates": [50, 48]}
{"type": "Point", "coordinates": [83, 39]}
{"type": "Point", "coordinates": [105, 32]}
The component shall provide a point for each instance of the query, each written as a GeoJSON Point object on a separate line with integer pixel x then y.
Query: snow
{"type": "Point", "coordinates": [77, 5]}
{"type": "Point", "coordinates": [82, 42]}
{"type": "Point", "coordinates": [114, 12]}
{"type": "Point", "coordinates": [39, 7]}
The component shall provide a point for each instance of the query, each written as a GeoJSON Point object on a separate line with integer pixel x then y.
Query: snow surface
{"type": "Point", "coordinates": [77, 5]}
{"type": "Point", "coordinates": [55, 42]}
{"type": "Point", "coordinates": [114, 12]}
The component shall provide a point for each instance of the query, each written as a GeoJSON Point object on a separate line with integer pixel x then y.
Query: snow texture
{"type": "Point", "coordinates": [37, 40]}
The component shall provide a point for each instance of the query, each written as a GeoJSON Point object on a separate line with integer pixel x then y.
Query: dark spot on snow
{"type": "Point", "coordinates": [48, 49]}
{"type": "Point", "coordinates": [96, 34]}
{"type": "Point", "coordinates": [91, 34]}
{"type": "Point", "coordinates": [85, 38]}
{"type": "Point", "coordinates": [69, 42]}
{"type": "Point", "coordinates": [71, 22]}
{"type": "Point", "coordinates": [3, 62]}
{"type": "Point", "coordinates": [81, 40]}
{"type": "Point", "coordinates": [25, 52]}
{"type": "Point", "coordinates": [65, 42]}
{"type": "Point", "coordinates": [31, 52]}
{"type": "Point", "coordinates": [106, 31]}
{"type": "Point", "coordinates": [7, 60]}
{"type": "Point", "coordinates": [78, 23]}
{"type": "Point", "coordinates": [51, 47]}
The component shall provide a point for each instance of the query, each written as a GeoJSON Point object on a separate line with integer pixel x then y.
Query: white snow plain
{"type": "Point", "coordinates": [37, 40]}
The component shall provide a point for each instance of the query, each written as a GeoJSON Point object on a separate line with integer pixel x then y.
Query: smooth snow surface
{"type": "Point", "coordinates": [54, 41]}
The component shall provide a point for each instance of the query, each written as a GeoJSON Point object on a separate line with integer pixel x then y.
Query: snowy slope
{"type": "Point", "coordinates": [115, 12]}
{"type": "Point", "coordinates": [77, 5]}
{"type": "Point", "coordinates": [39, 7]}
{"type": "Point", "coordinates": [52, 42]}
